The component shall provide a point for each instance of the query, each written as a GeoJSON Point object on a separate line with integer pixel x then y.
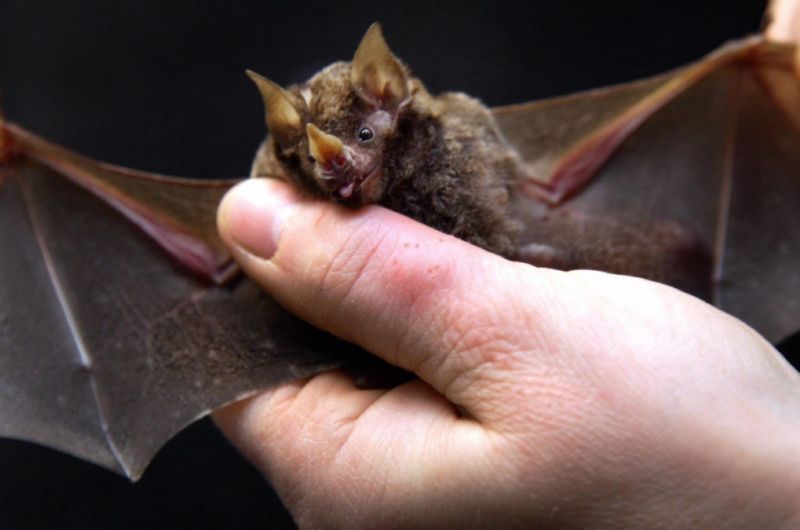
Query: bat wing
{"type": "Point", "coordinates": [107, 348]}
{"type": "Point", "coordinates": [690, 178]}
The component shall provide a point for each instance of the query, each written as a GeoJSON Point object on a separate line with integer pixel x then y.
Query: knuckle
{"type": "Point", "coordinates": [477, 344]}
{"type": "Point", "coordinates": [352, 260]}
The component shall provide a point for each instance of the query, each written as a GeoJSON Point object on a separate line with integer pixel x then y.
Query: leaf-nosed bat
{"type": "Point", "coordinates": [520, 126]}
{"type": "Point", "coordinates": [366, 132]}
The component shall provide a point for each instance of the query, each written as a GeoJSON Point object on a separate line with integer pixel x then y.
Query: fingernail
{"type": "Point", "coordinates": [253, 213]}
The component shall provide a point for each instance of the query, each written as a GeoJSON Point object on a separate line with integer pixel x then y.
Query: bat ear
{"type": "Point", "coordinates": [283, 116]}
{"type": "Point", "coordinates": [376, 75]}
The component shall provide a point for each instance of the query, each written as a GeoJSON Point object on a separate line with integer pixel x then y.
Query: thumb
{"type": "Point", "coordinates": [419, 299]}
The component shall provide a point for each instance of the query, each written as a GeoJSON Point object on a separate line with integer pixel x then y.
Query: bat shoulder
{"type": "Point", "coordinates": [460, 111]}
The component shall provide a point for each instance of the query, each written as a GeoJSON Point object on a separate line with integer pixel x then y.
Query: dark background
{"type": "Point", "coordinates": [160, 86]}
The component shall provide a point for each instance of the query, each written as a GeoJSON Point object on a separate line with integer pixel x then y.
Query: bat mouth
{"type": "Point", "coordinates": [353, 192]}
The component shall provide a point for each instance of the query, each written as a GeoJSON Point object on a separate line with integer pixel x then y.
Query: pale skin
{"type": "Point", "coordinates": [578, 398]}
{"type": "Point", "coordinates": [545, 398]}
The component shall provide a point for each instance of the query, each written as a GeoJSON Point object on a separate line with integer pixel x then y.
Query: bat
{"type": "Point", "coordinates": [30, 153]}
{"type": "Point", "coordinates": [439, 159]}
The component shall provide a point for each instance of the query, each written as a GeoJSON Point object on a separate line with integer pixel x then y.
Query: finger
{"type": "Point", "coordinates": [322, 440]}
{"type": "Point", "coordinates": [424, 301]}
{"type": "Point", "coordinates": [269, 426]}
{"type": "Point", "coordinates": [313, 418]}
{"type": "Point", "coordinates": [784, 21]}
{"type": "Point", "coordinates": [784, 26]}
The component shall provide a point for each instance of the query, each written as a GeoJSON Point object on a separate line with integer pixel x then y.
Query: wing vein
{"type": "Point", "coordinates": [80, 344]}
{"type": "Point", "coordinates": [723, 214]}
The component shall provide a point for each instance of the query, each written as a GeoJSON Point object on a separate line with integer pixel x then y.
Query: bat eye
{"type": "Point", "coordinates": [365, 134]}
{"type": "Point", "coordinates": [311, 159]}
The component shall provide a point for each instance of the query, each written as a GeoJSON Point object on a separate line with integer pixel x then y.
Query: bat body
{"type": "Point", "coordinates": [559, 194]}
{"type": "Point", "coordinates": [368, 132]}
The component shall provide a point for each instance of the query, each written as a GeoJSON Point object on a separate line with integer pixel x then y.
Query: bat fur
{"type": "Point", "coordinates": [439, 159]}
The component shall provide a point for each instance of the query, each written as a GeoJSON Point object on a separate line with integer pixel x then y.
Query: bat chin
{"type": "Point", "coordinates": [348, 191]}
{"type": "Point", "coordinates": [359, 191]}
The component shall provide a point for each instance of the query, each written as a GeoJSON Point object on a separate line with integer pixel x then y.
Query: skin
{"type": "Point", "coordinates": [545, 398]}
{"type": "Point", "coordinates": [785, 25]}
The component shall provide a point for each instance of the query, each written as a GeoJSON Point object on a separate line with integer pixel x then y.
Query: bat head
{"type": "Point", "coordinates": [331, 133]}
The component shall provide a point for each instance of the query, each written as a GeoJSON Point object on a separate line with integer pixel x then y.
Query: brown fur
{"type": "Point", "coordinates": [444, 161]}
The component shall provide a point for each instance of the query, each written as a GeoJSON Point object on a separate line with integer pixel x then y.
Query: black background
{"type": "Point", "coordinates": [160, 86]}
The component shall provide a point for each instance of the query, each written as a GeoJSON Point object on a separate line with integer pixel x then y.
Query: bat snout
{"type": "Point", "coordinates": [348, 186]}
{"type": "Point", "coordinates": [342, 184]}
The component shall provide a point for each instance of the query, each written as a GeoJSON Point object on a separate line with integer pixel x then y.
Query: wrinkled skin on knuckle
{"type": "Point", "coordinates": [476, 351]}
{"type": "Point", "coordinates": [459, 336]}
{"type": "Point", "coordinates": [489, 334]}
{"type": "Point", "coordinates": [355, 259]}
{"type": "Point", "coordinates": [520, 382]}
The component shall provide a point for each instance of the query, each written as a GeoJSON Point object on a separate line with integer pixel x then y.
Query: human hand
{"type": "Point", "coordinates": [548, 398]}
{"type": "Point", "coordinates": [784, 22]}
